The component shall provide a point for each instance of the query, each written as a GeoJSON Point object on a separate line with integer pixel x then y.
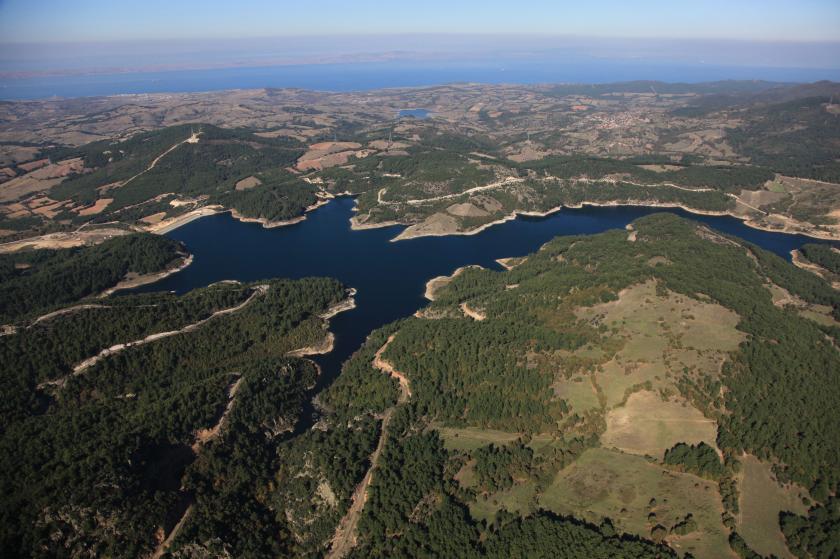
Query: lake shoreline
{"type": "Point", "coordinates": [132, 283]}
{"type": "Point", "coordinates": [408, 234]}
{"type": "Point", "coordinates": [327, 344]}
{"type": "Point", "coordinates": [390, 277]}
{"type": "Point", "coordinates": [439, 282]}
{"type": "Point", "coordinates": [174, 223]}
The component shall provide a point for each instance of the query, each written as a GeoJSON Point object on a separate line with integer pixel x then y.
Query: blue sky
{"type": "Point", "coordinates": [36, 21]}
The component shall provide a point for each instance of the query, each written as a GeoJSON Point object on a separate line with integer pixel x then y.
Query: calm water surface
{"type": "Point", "coordinates": [375, 75]}
{"type": "Point", "coordinates": [390, 277]}
{"type": "Point", "coordinates": [416, 113]}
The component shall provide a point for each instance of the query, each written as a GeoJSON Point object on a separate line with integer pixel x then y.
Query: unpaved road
{"type": "Point", "coordinates": [345, 536]}
{"type": "Point", "coordinates": [259, 290]}
{"type": "Point", "coordinates": [193, 139]}
{"type": "Point", "coordinates": [472, 313]}
{"type": "Point", "coordinates": [504, 182]}
{"type": "Point", "coordinates": [344, 539]}
{"type": "Point", "coordinates": [387, 367]}
{"type": "Point", "coordinates": [68, 310]}
{"type": "Point", "coordinates": [202, 437]}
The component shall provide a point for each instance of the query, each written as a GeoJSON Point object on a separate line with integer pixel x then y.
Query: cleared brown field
{"type": "Point", "coordinates": [98, 207]}
{"type": "Point", "coordinates": [649, 425]}
{"type": "Point", "coordinates": [247, 183]}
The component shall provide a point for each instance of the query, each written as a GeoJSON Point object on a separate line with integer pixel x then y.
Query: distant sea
{"type": "Point", "coordinates": [365, 76]}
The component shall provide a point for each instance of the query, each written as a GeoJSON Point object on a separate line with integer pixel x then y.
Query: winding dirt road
{"type": "Point", "coordinates": [387, 367]}
{"type": "Point", "coordinates": [346, 533]}
{"type": "Point", "coordinates": [202, 437]}
{"type": "Point", "coordinates": [259, 290]}
{"type": "Point", "coordinates": [193, 139]}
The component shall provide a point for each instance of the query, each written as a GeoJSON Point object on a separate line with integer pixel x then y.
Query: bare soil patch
{"type": "Point", "coordinates": [154, 218]}
{"type": "Point", "coordinates": [64, 240]}
{"type": "Point", "coordinates": [435, 225]}
{"type": "Point", "coordinates": [328, 159]}
{"type": "Point", "coordinates": [21, 186]}
{"type": "Point", "coordinates": [466, 210]}
{"type": "Point", "coordinates": [760, 198]}
{"type": "Point", "coordinates": [60, 169]}
{"type": "Point", "coordinates": [32, 165]}
{"type": "Point", "coordinates": [386, 145]}
{"type": "Point", "coordinates": [528, 153]}
{"type": "Point", "coordinates": [247, 183]}
{"type": "Point", "coordinates": [98, 207]}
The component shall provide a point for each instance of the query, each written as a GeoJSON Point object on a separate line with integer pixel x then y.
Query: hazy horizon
{"type": "Point", "coordinates": [50, 48]}
{"type": "Point", "coordinates": [48, 36]}
{"type": "Point", "coordinates": [773, 20]}
{"type": "Point", "coordinates": [25, 59]}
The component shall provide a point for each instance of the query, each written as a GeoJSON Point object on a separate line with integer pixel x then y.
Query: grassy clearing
{"type": "Point", "coordinates": [818, 314]}
{"type": "Point", "coordinates": [761, 500]}
{"type": "Point", "coordinates": [821, 314]}
{"type": "Point", "coordinates": [578, 392]}
{"type": "Point", "coordinates": [471, 438]}
{"type": "Point", "coordinates": [519, 498]}
{"type": "Point", "coordinates": [775, 186]}
{"type": "Point", "coordinates": [543, 443]}
{"type": "Point", "coordinates": [663, 336]}
{"type": "Point", "coordinates": [466, 475]}
{"type": "Point", "coordinates": [648, 425]}
{"type": "Point", "coordinates": [619, 378]}
{"type": "Point", "coordinates": [605, 483]}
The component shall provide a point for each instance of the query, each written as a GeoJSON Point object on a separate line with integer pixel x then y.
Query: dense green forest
{"type": "Point", "coordinates": [700, 459]}
{"type": "Point", "coordinates": [95, 461]}
{"type": "Point", "coordinates": [818, 534]}
{"type": "Point", "coordinates": [48, 350]}
{"type": "Point", "coordinates": [215, 163]}
{"type": "Point", "coordinates": [725, 179]}
{"type": "Point", "coordinates": [426, 170]}
{"type": "Point", "coordinates": [33, 282]}
{"type": "Point", "coordinates": [797, 138]}
{"type": "Point", "coordinates": [822, 255]}
{"type": "Point", "coordinates": [497, 467]}
{"type": "Point", "coordinates": [281, 196]}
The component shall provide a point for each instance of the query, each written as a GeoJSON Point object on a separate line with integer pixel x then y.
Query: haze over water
{"type": "Point", "coordinates": [375, 75]}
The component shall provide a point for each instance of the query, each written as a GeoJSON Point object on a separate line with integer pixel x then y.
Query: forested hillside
{"type": "Point", "coordinates": [618, 380]}
{"type": "Point", "coordinates": [95, 444]}
{"type": "Point", "coordinates": [35, 281]}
